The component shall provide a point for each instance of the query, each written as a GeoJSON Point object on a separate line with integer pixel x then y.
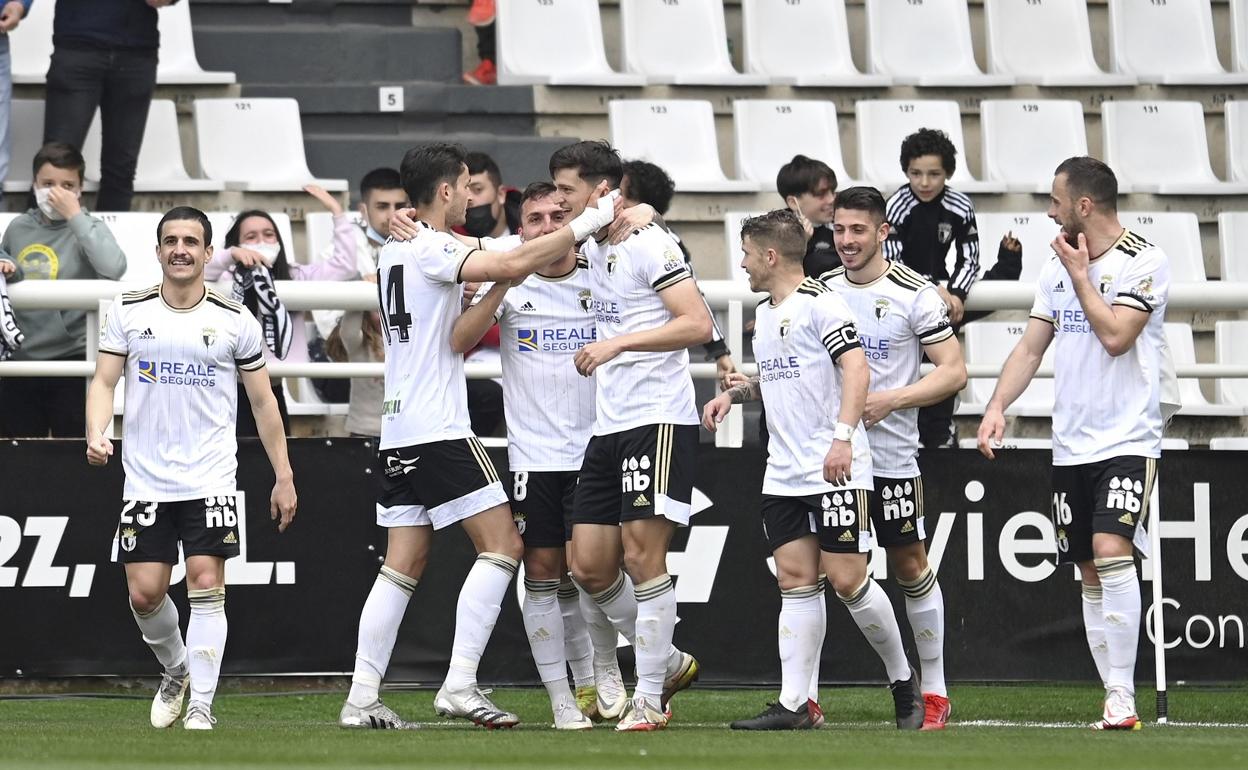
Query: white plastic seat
{"type": "Point", "coordinates": [925, 44]}
{"type": "Point", "coordinates": [883, 123]}
{"type": "Point", "coordinates": [1160, 147]}
{"type": "Point", "coordinates": [732, 236]}
{"type": "Point", "coordinates": [30, 45]}
{"type": "Point", "coordinates": [222, 220]}
{"type": "Point", "coordinates": [684, 43]}
{"type": "Point", "coordinates": [1230, 341]}
{"type": "Point", "coordinates": [801, 44]}
{"type": "Point", "coordinates": [1233, 246]}
{"type": "Point", "coordinates": [991, 342]}
{"type": "Point", "coordinates": [1183, 351]}
{"type": "Point", "coordinates": [1045, 43]}
{"type": "Point", "coordinates": [1236, 114]}
{"type": "Point", "coordinates": [1178, 235]}
{"type": "Point", "coordinates": [528, 32]}
{"type": "Point", "coordinates": [135, 233]}
{"type": "Point", "coordinates": [1023, 140]}
{"type": "Point", "coordinates": [320, 232]}
{"type": "Point", "coordinates": [769, 132]}
{"type": "Point", "coordinates": [6, 217]}
{"type": "Point", "coordinates": [1170, 42]}
{"type": "Point", "coordinates": [1229, 444]}
{"type": "Point", "coordinates": [1239, 35]}
{"type": "Point", "coordinates": [160, 167]}
{"type": "Point", "coordinates": [677, 134]}
{"type": "Point", "coordinates": [254, 145]}
{"type": "Point", "coordinates": [178, 63]}
{"type": "Point", "coordinates": [25, 137]}
{"type": "Point", "coordinates": [1034, 230]}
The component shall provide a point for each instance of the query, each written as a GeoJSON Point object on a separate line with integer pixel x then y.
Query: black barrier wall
{"type": "Point", "coordinates": [294, 599]}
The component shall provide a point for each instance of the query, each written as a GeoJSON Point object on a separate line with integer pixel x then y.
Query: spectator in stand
{"type": "Point", "coordinates": [808, 187]}
{"type": "Point", "coordinates": [104, 55]}
{"type": "Point", "coordinates": [57, 240]}
{"type": "Point", "coordinates": [357, 339]}
{"type": "Point", "coordinates": [253, 257]}
{"type": "Point", "coordinates": [481, 16]}
{"type": "Point", "coordinates": [11, 13]}
{"type": "Point", "coordinates": [645, 182]}
{"type": "Point", "coordinates": [493, 210]}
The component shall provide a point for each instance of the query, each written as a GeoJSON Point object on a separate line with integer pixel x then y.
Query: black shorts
{"type": "Point", "coordinates": [1108, 496]}
{"type": "Point", "coordinates": [541, 504]}
{"type": "Point", "coordinates": [150, 531]}
{"type": "Point", "coordinates": [437, 484]}
{"type": "Point", "coordinates": [897, 511]}
{"type": "Point", "coordinates": [839, 519]}
{"type": "Point", "coordinates": [636, 474]}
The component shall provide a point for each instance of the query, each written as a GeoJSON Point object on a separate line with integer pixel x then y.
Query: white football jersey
{"type": "Point", "coordinates": [426, 395]}
{"type": "Point", "coordinates": [1106, 406]}
{"type": "Point", "coordinates": [796, 344]}
{"type": "Point", "coordinates": [897, 313]}
{"type": "Point", "coordinates": [181, 391]}
{"type": "Point", "coordinates": [636, 389]}
{"type": "Point", "coordinates": [549, 406]}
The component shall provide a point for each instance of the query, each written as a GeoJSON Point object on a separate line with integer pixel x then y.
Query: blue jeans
{"type": "Point", "coordinates": [6, 96]}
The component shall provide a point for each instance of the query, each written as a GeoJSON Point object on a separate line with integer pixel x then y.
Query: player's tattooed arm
{"type": "Point", "coordinates": [742, 392]}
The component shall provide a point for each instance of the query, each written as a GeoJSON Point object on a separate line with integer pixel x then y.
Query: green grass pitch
{"type": "Point", "coordinates": [1021, 726]}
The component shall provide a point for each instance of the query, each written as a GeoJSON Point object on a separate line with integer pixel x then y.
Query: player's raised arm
{"type": "Point", "coordinates": [1016, 374]}
{"type": "Point", "coordinates": [1116, 325]}
{"type": "Point", "coordinates": [108, 370]}
{"type": "Point", "coordinates": [283, 500]}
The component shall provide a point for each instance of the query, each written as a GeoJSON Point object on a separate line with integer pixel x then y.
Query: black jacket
{"type": "Point", "coordinates": [821, 253]}
{"type": "Point", "coordinates": [923, 232]}
{"type": "Point", "coordinates": [128, 24]}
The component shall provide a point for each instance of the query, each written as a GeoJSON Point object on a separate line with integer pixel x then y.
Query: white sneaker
{"type": "Point", "coordinates": [1119, 711]}
{"type": "Point", "coordinates": [642, 716]}
{"type": "Point", "coordinates": [569, 717]}
{"type": "Point", "coordinates": [167, 705]}
{"type": "Point", "coordinates": [378, 716]}
{"type": "Point", "coordinates": [612, 697]}
{"type": "Point", "coordinates": [474, 706]}
{"type": "Point", "coordinates": [198, 716]}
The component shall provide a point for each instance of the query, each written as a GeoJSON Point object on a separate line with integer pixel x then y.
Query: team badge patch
{"type": "Point", "coordinates": [785, 326]}
{"type": "Point", "coordinates": [611, 261]}
{"type": "Point", "coordinates": [210, 336]}
{"type": "Point", "coordinates": [129, 539]}
{"type": "Point", "coordinates": [1106, 281]}
{"type": "Point", "coordinates": [882, 306]}
{"type": "Point", "coordinates": [944, 232]}
{"type": "Point", "coordinates": [586, 300]}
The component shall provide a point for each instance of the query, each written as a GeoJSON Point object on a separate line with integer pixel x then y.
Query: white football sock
{"type": "Point", "coordinates": [379, 627]}
{"type": "Point", "coordinates": [925, 608]}
{"type": "Point", "coordinates": [205, 641]}
{"type": "Point", "coordinates": [1094, 627]}
{"type": "Point", "coordinates": [873, 613]}
{"type": "Point", "coordinates": [577, 648]}
{"type": "Point", "coordinates": [619, 604]}
{"type": "Point", "coordinates": [543, 624]}
{"type": "Point", "coordinates": [1121, 604]}
{"type": "Point", "coordinates": [160, 630]}
{"type": "Point", "coordinates": [656, 623]}
{"type": "Point", "coordinates": [480, 600]}
{"type": "Point", "coordinates": [798, 636]}
{"type": "Point", "coordinates": [602, 634]}
{"type": "Point", "coordinates": [823, 634]}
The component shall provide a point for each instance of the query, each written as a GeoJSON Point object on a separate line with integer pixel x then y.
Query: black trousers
{"type": "Point", "coordinates": [246, 423]}
{"type": "Point", "coordinates": [34, 407]}
{"type": "Point", "coordinates": [119, 82]}
{"type": "Point", "coordinates": [487, 42]}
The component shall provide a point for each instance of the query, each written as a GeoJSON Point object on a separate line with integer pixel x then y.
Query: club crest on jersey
{"type": "Point", "coordinates": [944, 232]}
{"type": "Point", "coordinates": [611, 261]}
{"type": "Point", "coordinates": [526, 339]}
{"type": "Point", "coordinates": [129, 539]}
{"type": "Point", "coordinates": [785, 326]}
{"type": "Point", "coordinates": [519, 520]}
{"type": "Point", "coordinates": [586, 300]}
{"type": "Point", "coordinates": [210, 336]}
{"type": "Point", "coordinates": [882, 306]}
{"type": "Point", "coordinates": [1107, 280]}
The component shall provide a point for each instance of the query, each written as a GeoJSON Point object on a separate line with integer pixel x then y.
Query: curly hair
{"type": "Point", "coordinates": [929, 141]}
{"type": "Point", "coordinates": [648, 183]}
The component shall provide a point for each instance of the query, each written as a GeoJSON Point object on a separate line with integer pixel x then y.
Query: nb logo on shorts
{"type": "Point", "coordinates": [896, 504]}
{"type": "Point", "coordinates": [1125, 494]}
{"type": "Point", "coordinates": [219, 512]}
{"type": "Point", "coordinates": [634, 476]}
{"type": "Point", "coordinates": [838, 511]}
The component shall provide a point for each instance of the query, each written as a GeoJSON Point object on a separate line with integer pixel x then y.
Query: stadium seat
{"type": "Point", "coordinates": [1047, 44]}
{"type": "Point", "coordinates": [883, 123]}
{"type": "Point", "coordinates": [801, 44]}
{"type": "Point", "coordinates": [528, 32]}
{"type": "Point", "coordinates": [684, 43]}
{"type": "Point", "coordinates": [1133, 132]}
{"type": "Point", "coordinates": [677, 134]}
{"type": "Point", "coordinates": [254, 145]}
{"type": "Point", "coordinates": [1183, 351]}
{"type": "Point", "coordinates": [160, 166]}
{"type": "Point", "coordinates": [925, 44]}
{"type": "Point", "coordinates": [320, 232]}
{"type": "Point", "coordinates": [5, 218]}
{"type": "Point", "coordinates": [1239, 35]}
{"type": "Point", "coordinates": [1023, 140]}
{"type": "Point", "coordinates": [769, 132]}
{"type": "Point", "coordinates": [1233, 246]}
{"type": "Point", "coordinates": [1178, 235]}
{"type": "Point", "coordinates": [990, 342]}
{"type": "Point", "coordinates": [178, 63]}
{"type": "Point", "coordinates": [732, 236]}
{"type": "Point", "coordinates": [31, 44]}
{"type": "Point", "coordinates": [1229, 443]}
{"type": "Point", "coordinates": [135, 233]}
{"type": "Point", "coordinates": [1169, 42]}
{"type": "Point", "coordinates": [222, 220]}
{"type": "Point", "coordinates": [1236, 114]}
{"type": "Point", "coordinates": [1230, 340]}
{"type": "Point", "coordinates": [1034, 230]}
{"type": "Point", "coordinates": [25, 137]}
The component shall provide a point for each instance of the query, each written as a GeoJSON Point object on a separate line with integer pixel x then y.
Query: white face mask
{"type": "Point", "coordinates": [41, 200]}
{"type": "Point", "coordinates": [268, 251]}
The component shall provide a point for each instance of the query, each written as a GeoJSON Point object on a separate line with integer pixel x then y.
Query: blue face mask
{"type": "Point", "coordinates": [373, 235]}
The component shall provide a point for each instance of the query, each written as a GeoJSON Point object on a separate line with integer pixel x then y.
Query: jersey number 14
{"type": "Point", "coordinates": [393, 305]}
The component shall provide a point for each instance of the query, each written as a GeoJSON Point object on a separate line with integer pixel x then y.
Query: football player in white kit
{"type": "Point", "coordinates": [813, 379]}
{"type": "Point", "coordinates": [901, 317]}
{"type": "Point", "coordinates": [1101, 301]}
{"type": "Point", "coordinates": [435, 472]}
{"type": "Point", "coordinates": [182, 348]}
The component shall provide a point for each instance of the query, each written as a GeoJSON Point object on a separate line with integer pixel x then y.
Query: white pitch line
{"type": "Point", "coordinates": [1004, 723]}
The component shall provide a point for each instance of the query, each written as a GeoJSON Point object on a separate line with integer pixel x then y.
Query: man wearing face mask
{"type": "Point", "coordinates": [493, 210]}
{"type": "Point", "coordinates": [57, 240]}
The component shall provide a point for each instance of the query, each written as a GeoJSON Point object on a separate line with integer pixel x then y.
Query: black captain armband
{"type": "Point", "coordinates": [841, 339]}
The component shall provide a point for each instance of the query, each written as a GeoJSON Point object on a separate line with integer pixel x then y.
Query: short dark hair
{"type": "Point", "coordinates": [803, 175]}
{"type": "Point", "coordinates": [59, 155]}
{"type": "Point", "coordinates": [380, 179]}
{"type": "Point", "coordinates": [929, 141]}
{"type": "Point", "coordinates": [648, 183]}
{"type": "Point", "coordinates": [593, 160]}
{"type": "Point", "coordinates": [780, 230]}
{"type": "Point", "coordinates": [185, 214]}
{"type": "Point", "coordinates": [866, 199]}
{"type": "Point", "coordinates": [427, 166]}
{"type": "Point", "coordinates": [535, 191]}
{"type": "Point", "coordinates": [1088, 177]}
{"type": "Point", "coordinates": [480, 163]}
